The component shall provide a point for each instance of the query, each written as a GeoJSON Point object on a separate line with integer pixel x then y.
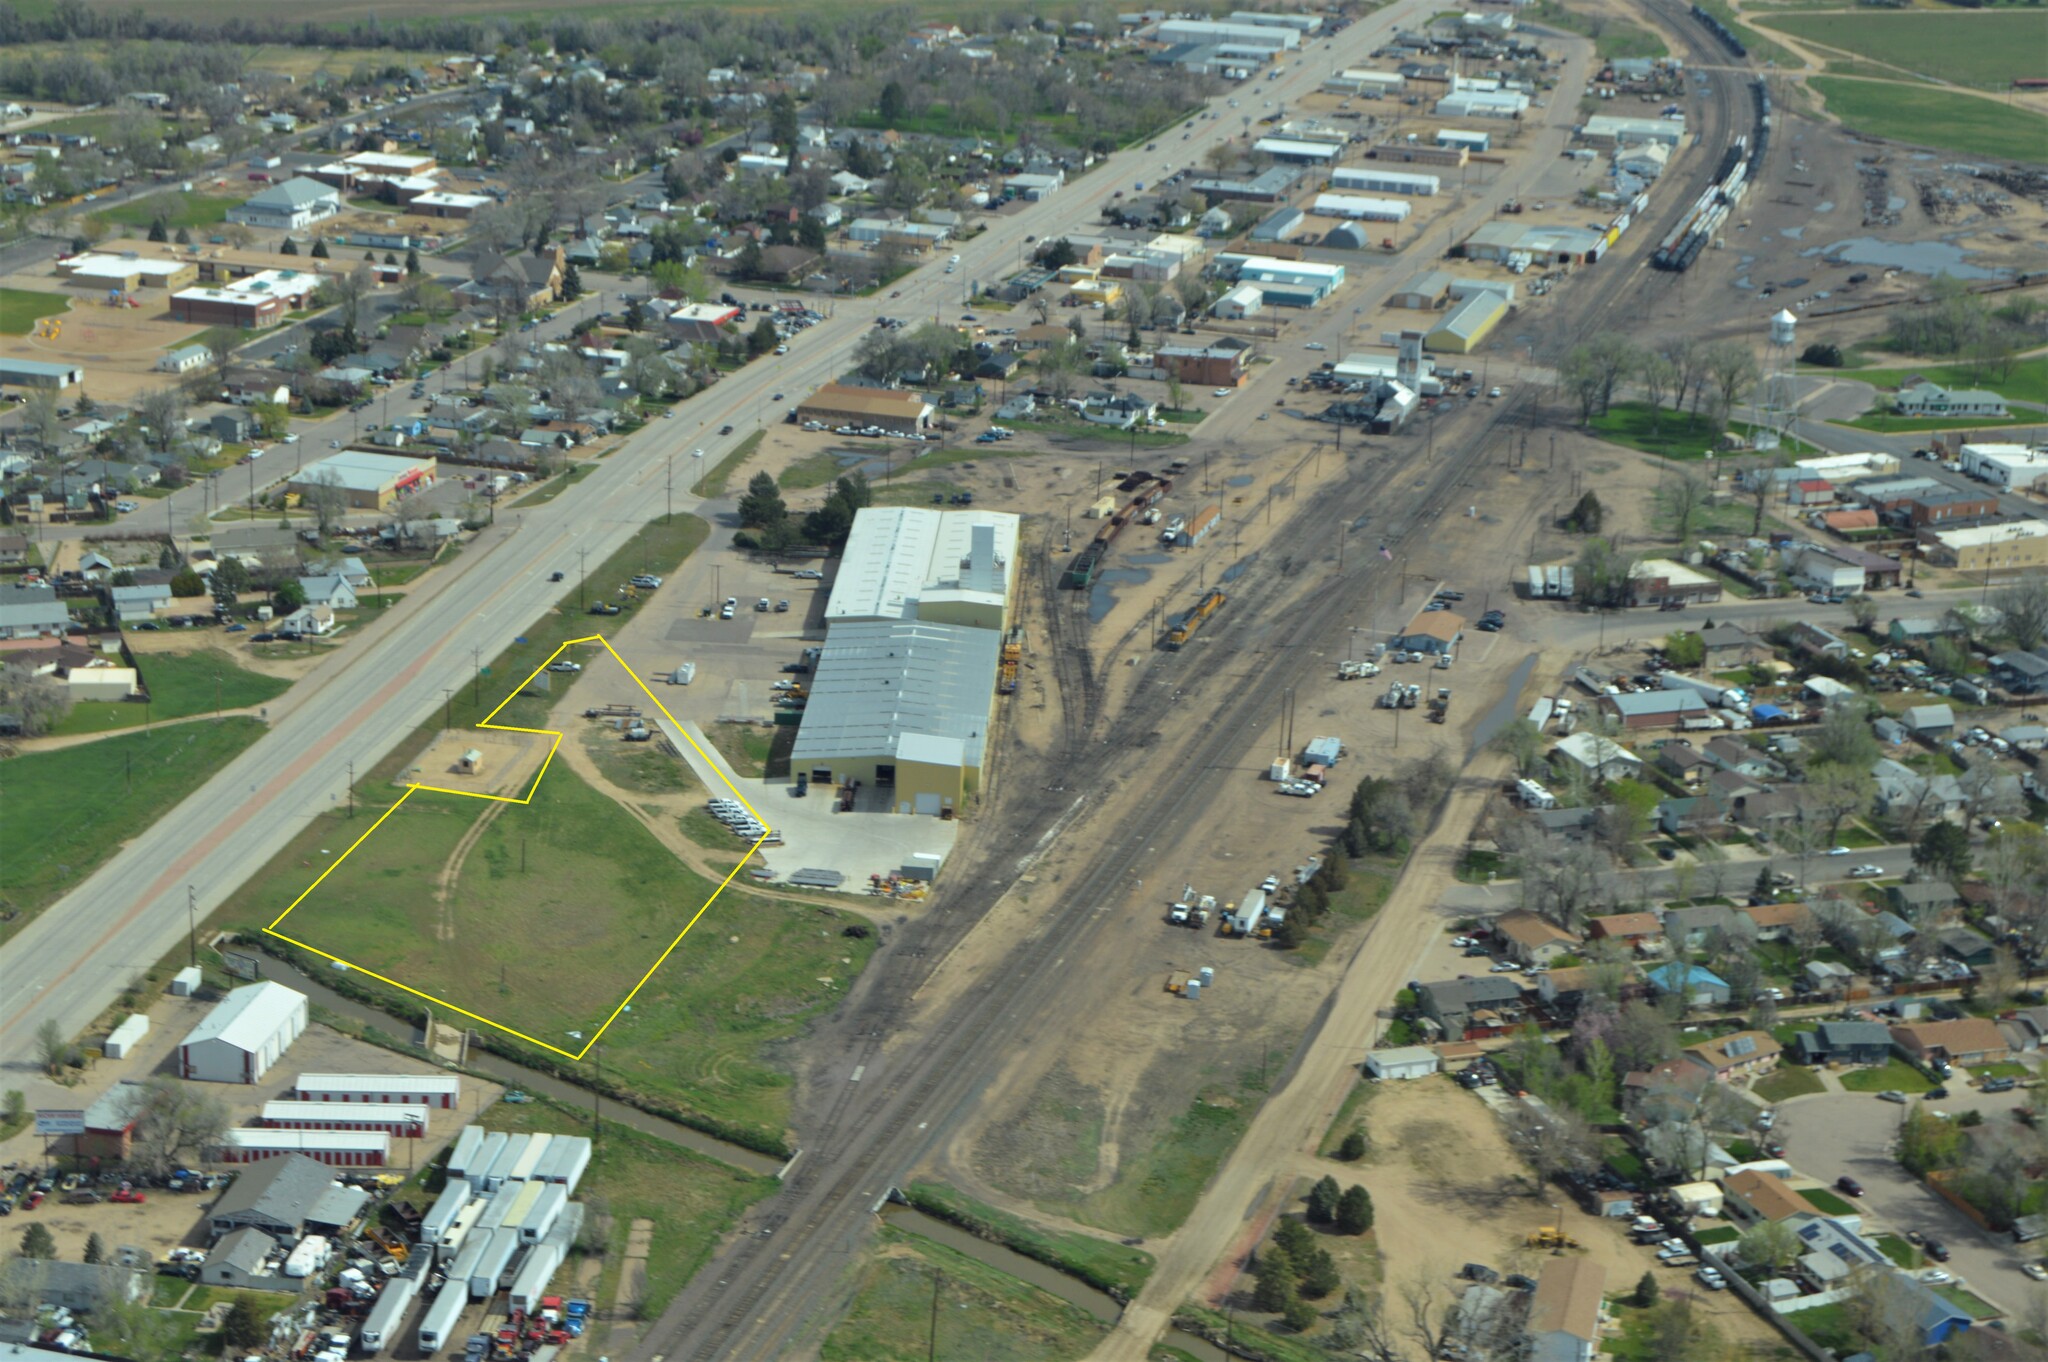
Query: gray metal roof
{"type": "Point", "coordinates": [280, 1191]}
{"type": "Point", "coordinates": [901, 689]}
{"type": "Point", "coordinates": [297, 192]}
{"type": "Point", "coordinates": [244, 1250]}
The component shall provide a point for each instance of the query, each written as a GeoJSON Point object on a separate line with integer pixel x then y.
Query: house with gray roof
{"type": "Point", "coordinates": [73, 1286]}
{"type": "Point", "coordinates": [242, 1260]}
{"type": "Point", "coordinates": [1929, 721]}
{"type": "Point", "coordinates": [1926, 896]}
{"type": "Point", "coordinates": [1843, 1042]}
{"type": "Point", "coordinates": [297, 203]}
{"type": "Point", "coordinates": [132, 603]}
{"type": "Point", "coordinates": [329, 589]}
{"type": "Point", "coordinates": [32, 612]}
{"type": "Point", "coordinates": [1455, 1003]}
{"type": "Point", "coordinates": [2021, 673]}
{"type": "Point", "coordinates": [1902, 789]}
{"type": "Point", "coordinates": [277, 1196]}
{"type": "Point", "coordinates": [1691, 926]}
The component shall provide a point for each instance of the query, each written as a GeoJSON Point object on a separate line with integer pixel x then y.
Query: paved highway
{"type": "Point", "coordinates": [69, 964]}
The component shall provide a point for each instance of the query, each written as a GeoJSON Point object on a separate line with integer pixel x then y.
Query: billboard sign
{"type": "Point", "coordinates": [53, 1122]}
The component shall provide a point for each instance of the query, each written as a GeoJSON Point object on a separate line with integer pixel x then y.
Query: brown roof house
{"type": "Point", "coordinates": [1532, 940]}
{"type": "Point", "coordinates": [1754, 1196]}
{"type": "Point", "coordinates": [1742, 1054]}
{"type": "Point", "coordinates": [1965, 1041]}
{"type": "Point", "coordinates": [1776, 921]}
{"type": "Point", "coordinates": [1564, 1311]}
{"type": "Point", "coordinates": [1641, 930]}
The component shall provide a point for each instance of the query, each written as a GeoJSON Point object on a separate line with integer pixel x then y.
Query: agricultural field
{"type": "Point", "coordinates": [1922, 116]}
{"type": "Point", "coordinates": [1984, 50]}
{"type": "Point", "coordinates": [133, 777]}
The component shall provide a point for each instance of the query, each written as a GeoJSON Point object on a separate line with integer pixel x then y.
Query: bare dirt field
{"type": "Point", "coordinates": [510, 762]}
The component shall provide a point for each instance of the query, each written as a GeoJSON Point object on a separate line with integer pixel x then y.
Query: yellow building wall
{"type": "Point", "coordinates": [972, 614]}
{"type": "Point", "coordinates": [2013, 553]}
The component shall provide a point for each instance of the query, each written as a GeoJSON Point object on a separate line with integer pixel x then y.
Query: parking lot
{"type": "Point", "coordinates": [1831, 1134]}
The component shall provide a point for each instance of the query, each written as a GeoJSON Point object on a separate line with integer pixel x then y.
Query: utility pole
{"type": "Point", "coordinates": [447, 707]}
{"type": "Point", "coordinates": [582, 574]}
{"type": "Point", "coordinates": [192, 925]}
{"type": "Point", "coordinates": [476, 679]}
{"type": "Point", "coordinates": [351, 789]}
{"type": "Point", "coordinates": [931, 1342]}
{"type": "Point", "coordinates": [670, 466]}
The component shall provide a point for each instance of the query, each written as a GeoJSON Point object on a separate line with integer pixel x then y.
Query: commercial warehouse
{"type": "Point", "coordinates": [261, 300]}
{"type": "Point", "coordinates": [1285, 283]}
{"type": "Point", "coordinates": [1990, 548]}
{"type": "Point", "coordinates": [1467, 324]}
{"type": "Point", "coordinates": [369, 482]}
{"type": "Point", "coordinates": [1360, 207]}
{"type": "Point", "coordinates": [1265, 37]}
{"type": "Point", "coordinates": [246, 1033]}
{"type": "Point", "coordinates": [901, 697]}
{"type": "Point", "coordinates": [1363, 81]}
{"type": "Point", "coordinates": [1464, 139]}
{"type": "Point", "coordinates": [1483, 104]}
{"type": "Point", "coordinates": [1298, 151]}
{"type": "Point", "coordinates": [2013, 467]}
{"type": "Point", "coordinates": [839, 404]}
{"type": "Point", "coordinates": [1369, 180]}
{"type": "Point", "coordinates": [1609, 130]}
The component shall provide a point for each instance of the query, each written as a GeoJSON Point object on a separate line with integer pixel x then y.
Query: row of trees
{"type": "Point", "coordinates": [1704, 379]}
{"type": "Point", "coordinates": [766, 522]}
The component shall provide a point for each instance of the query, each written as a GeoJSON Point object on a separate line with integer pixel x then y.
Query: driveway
{"type": "Point", "coordinates": [1829, 1134]}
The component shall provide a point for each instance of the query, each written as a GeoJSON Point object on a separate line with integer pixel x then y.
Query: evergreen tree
{"type": "Point", "coordinates": [1354, 1211]}
{"type": "Point", "coordinates": [635, 317]}
{"type": "Point", "coordinates": [320, 248]}
{"type": "Point", "coordinates": [412, 260]}
{"type": "Point", "coordinates": [183, 237]}
{"type": "Point", "coordinates": [1299, 1315]}
{"type": "Point", "coordinates": [1646, 1292]}
{"type": "Point", "coordinates": [763, 504]}
{"type": "Point", "coordinates": [95, 1250]}
{"type": "Point", "coordinates": [38, 1242]}
{"type": "Point", "coordinates": [1276, 1279]}
{"type": "Point", "coordinates": [1763, 888]}
{"type": "Point", "coordinates": [242, 1327]}
{"type": "Point", "coordinates": [1296, 1238]}
{"type": "Point", "coordinates": [158, 230]}
{"type": "Point", "coordinates": [1319, 1276]}
{"type": "Point", "coordinates": [1353, 1148]}
{"type": "Point", "coordinates": [1323, 1199]}
{"type": "Point", "coordinates": [290, 247]}
{"type": "Point", "coordinates": [572, 283]}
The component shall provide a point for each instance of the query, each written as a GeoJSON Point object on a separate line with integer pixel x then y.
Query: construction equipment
{"type": "Point", "coordinates": [1175, 985]}
{"type": "Point", "coordinates": [1551, 1237]}
{"type": "Point", "coordinates": [391, 1244]}
{"type": "Point", "coordinates": [1440, 704]}
{"type": "Point", "coordinates": [1185, 629]}
{"type": "Point", "coordinates": [1013, 658]}
{"type": "Point", "coordinates": [1356, 671]}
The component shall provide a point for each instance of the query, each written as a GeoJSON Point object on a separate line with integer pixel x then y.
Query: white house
{"type": "Point", "coordinates": [1403, 1061]}
{"type": "Point", "coordinates": [183, 360]}
{"type": "Point", "coordinates": [1599, 757]}
{"type": "Point", "coordinates": [246, 1033]}
{"type": "Point", "coordinates": [1931, 399]}
{"type": "Point", "coordinates": [329, 589]}
{"type": "Point", "coordinates": [1245, 300]}
{"type": "Point", "coordinates": [298, 202]}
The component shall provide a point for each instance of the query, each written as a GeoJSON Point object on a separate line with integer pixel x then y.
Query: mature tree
{"type": "Point", "coordinates": [288, 247]}
{"type": "Point", "coordinates": [1276, 1279]}
{"type": "Point", "coordinates": [1944, 851]}
{"type": "Point", "coordinates": [1322, 1200]}
{"type": "Point", "coordinates": [1354, 1211]}
{"type": "Point", "coordinates": [38, 702]}
{"type": "Point", "coordinates": [1562, 879]}
{"type": "Point", "coordinates": [1602, 575]}
{"type": "Point", "coordinates": [43, 416]}
{"type": "Point", "coordinates": [1684, 497]}
{"type": "Point", "coordinates": [1521, 742]}
{"type": "Point", "coordinates": [1769, 1244]}
{"type": "Point", "coordinates": [2023, 611]}
{"type": "Point", "coordinates": [1553, 1142]}
{"type": "Point", "coordinates": [1832, 794]}
{"type": "Point", "coordinates": [1843, 739]}
{"type": "Point", "coordinates": [286, 597]}
{"type": "Point", "coordinates": [762, 505]}
{"type": "Point", "coordinates": [1319, 1275]}
{"type": "Point", "coordinates": [160, 416]}
{"type": "Point", "coordinates": [1657, 376]}
{"type": "Point", "coordinates": [53, 1047]}
{"type": "Point", "coordinates": [95, 1250]}
{"type": "Point", "coordinates": [1586, 515]}
{"type": "Point", "coordinates": [1646, 1292]}
{"type": "Point", "coordinates": [1299, 1315]}
{"type": "Point", "coordinates": [1684, 649]}
{"type": "Point", "coordinates": [243, 1327]}
{"type": "Point", "coordinates": [1353, 1147]}
{"type": "Point", "coordinates": [327, 499]}
{"type": "Point", "coordinates": [320, 251]}
{"type": "Point", "coordinates": [1731, 369]}
{"type": "Point", "coordinates": [38, 1243]}
{"type": "Point", "coordinates": [171, 1117]}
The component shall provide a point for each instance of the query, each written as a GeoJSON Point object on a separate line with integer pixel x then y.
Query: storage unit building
{"type": "Point", "coordinates": [1372, 180]}
{"type": "Point", "coordinates": [335, 1148]}
{"type": "Point", "coordinates": [1363, 208]}
{"type": "Point", "coordinates": [246, 1033]}
{"type": "Point", "coordinates": [39, 373]}
{"type": "Point", "coordinates": [411, 1090]}
{"type": "Point", "coordinates": [403, 1122]}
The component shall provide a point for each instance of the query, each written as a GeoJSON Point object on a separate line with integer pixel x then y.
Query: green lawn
{"type": "Point", "coordinates": [692, 1201]}
{"type": "Point", "coordinates": [1893, 1075]}
{"type": "Point", "coordinates": [1898, 1250]}
{"type": "Point", "coordinates": [134, 778]}
{"type": "Point", "coordinates": [1827, 1202]}
{"type": "Point", "coordinates": [1102, 1263]}
{"type": "Point", "coordinates": [1882, 424]}
{"type": "Point", "coordinates": [555, 486]}
{"type": "Point", "coordinates": [2026, 380]}
{"type": "Point", "coordinates": [1679, 435]}
{"type": "Point", "coordinates": [20, 307]}
{"type": "Point", "coordinates": [1719, 1234]}
{"type": "Point", "coordinates": [913, 1296]}
{"type": "Point", "coordinates": [1928, 117]}
{"type": "Point", "coordinates": [179, 684]}
{"type": "Point", "coordinates": [746, 747]}
{"type": "Point", "coordinates": [712, 485]}
{"type": "Point", "coordinates": [913, 491]}
{"type": "Point", "coordinates": [1976, 1307]}
{"type": "Point", "coordinates": [1790, 1081]}
{"type": "Point", "coordinates": [1983, 49]}
{"type": "Point", "coordinates": [2008, 1069]}
{"type": "Point", "coordinates": [812, 471]}
{"type": "Point", "coordinates": [177, 210]}
{"type": "Point", "coordinates": [1347, 1119]}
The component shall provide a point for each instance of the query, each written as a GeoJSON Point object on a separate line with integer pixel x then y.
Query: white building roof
{"type": "Point", "coordinates": [2001, 533]}
{"type": "Point", "coordinates": [97, 266]}
{"type": "Point", "coordinates": [358, 471]}
{"type": "Point", "coordinates": [910, 689]}
{"type": "Point", "coordinates": [423, 1084]}
{"type": "Point", "coordinates": [1361, 206]}
{"type": "Point", "coordinates": [896, 555]}
{"type": "Point", "coordinates": [249, 1016]}
{"type": "Point", "coordinates": [257, 287]}
{"type": "Point", "coordinates": [326, 1141]}
{"type": "Point", "coordinates": [444, 199]}
{"type": "Point", "coordinates": [1297, 147]}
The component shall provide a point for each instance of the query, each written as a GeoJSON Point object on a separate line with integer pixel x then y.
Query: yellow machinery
{"type": "Point", "coordinates": [1551, 1237]}
{"type": "Point", "coordinates": [1013, 658]}
{"type": "Point", "coordinates": [1185, 630]}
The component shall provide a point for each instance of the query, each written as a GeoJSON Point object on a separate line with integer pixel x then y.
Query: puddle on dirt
{"type": "Point", "coordinates": [1507, 710]}
{"type": "Point", "coordinates": [1794, 232]}
{"type": "Point", "coordinates": [1241, 480]}
{"type": "Point", "coordinates": [1916, 257]}
{"type": "Point", "coordinates": [1824, 206]}
{"type": "Point", "coordinates": [1149, 559]}
{"type": "Point", "coordinates": [1101, 596]}
{"type": "Point", "coordinates": [1237, 569]}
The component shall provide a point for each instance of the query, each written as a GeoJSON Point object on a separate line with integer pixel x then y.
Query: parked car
{"type": "Point", "coordinates": [565, 666]}
{"type": "Point", "coordinates": [1865, 872]}
{"type": "Point", "coordinates": [1892, 1095]}
{"type": "Point", "coordinates": [1936, 1250]}
{"type": "Point", "coordinates": [1848, 1186]}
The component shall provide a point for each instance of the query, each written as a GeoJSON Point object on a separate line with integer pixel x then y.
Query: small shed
{"type": "Point", "coordinates": [472, 763]}
{"type": "Point", "coordinates": [185, 982]}
{"type": "Point", "coordinates": [1698, 1198]}
{"type": "Point", "coordinates": [1403, 1061]}
{"type": "Point", "coordinates": [125, 1037]}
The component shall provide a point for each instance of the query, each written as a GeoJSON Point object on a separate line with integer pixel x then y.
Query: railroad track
{"type": "Point", "coordinates": [759, 1298]}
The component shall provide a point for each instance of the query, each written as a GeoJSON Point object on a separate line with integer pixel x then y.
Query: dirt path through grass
{"type": "Point", "coordinates": [451, 873]}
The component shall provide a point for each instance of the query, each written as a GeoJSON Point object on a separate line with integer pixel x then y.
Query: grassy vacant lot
{"type": "Point", "coordinates": [1678, 435]}
{"type": "Point", "coordinates": [1102, 1263]}
{"type": "Point", "coordinates": [551, 948]}
{"type": "Point", "coordinates": [712, 485]}
{"type": "Point", "coordinates": [1894, 1075]}
{"type": "Point", "coordinates": [20, 307]}
{"type": "Point", "coordinates": [1933, 118]}
{"type": "Point", "coordinates": [981, 1312]}
{"type": "Point", "coordinates": [176, 210]}
{"type": "Point", "coordinates": [58, 838]}
{"type": "Point", "coordinates": [1612, 38]}
{"type": "Point", "coordinates": [2025, 381]}
{"type": "Point", "coordinates": [179, 684]}
{"type": "Point", "coordinates": [1790, 1081]}
{"type": "Point", "coordinates": [692, 1200]}
{"type": "Point", "coordinates": [1983, 49]}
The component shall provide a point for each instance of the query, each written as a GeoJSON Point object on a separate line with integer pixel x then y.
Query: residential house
{"type": "Point", "coordinates": [1966, 946]}
{"type": "Point", "coordinates": [32, 612]}
{"type": "Point", "coordinates": [1843, 1042]}
{"type": "Point", "coordinates": [1922, 900]}
{"type": "Point", "coordinates": [2027, 1028]}
{"type": "Point", "coordinates": [1531, 939]}
{"type": "Point", "coordinates": [1816, 641]}
{"type": "Point", "coordinates": [1828, 978]}
{"type": "Point", "coordinates": [1690, 927]}
{"type": "Point", "coordinates": [133, 603]}
{"type": "Point", "coordinates": [1654, 708]}
{"type": "Point", "coordinates": [1564, 1311]}
{"type": "Point", "coordinates": [1727, 645]}
{"type": "Point", "coordinates": [1901, 789]}
{"type": "Point", "coordinates": [1701, 986]}
{"type": "Point", "coordinates": [310, 619]}
{"type": "Point", "coordinates": [1682, 761]}
{"type": "Point", "coordinates": [1754, 1196]}
{"type": "Point", "coordinates": [1966, 1041]}
{"type": "Point", "coordinates": [82, 1287]}
{"type": "Point", "coordinates": [531, 281]}
{"type": "Point", "coordinates": [1740, 1055]}
{"type": "Point", "coordinates": [1777, 921]}
{"type": "Point", "coordinates": [1574, 824]}
{"type": "Point", "coordinates": [1919, 631]}
{"type": "Point", "coordinates": [1119, 411]}
{"type": "Point", "coordinates": [1929, 721]}
{"type": "Point", "coordinates": [331, 590]}
{"type": "Point", "coordinates": [1832, 1255]}
{"type": "Point", "coordinates": [1563, 990]}
{"type": "Point", "coordinates": [1931, 399]}
{"type": "Point", "coordinates": [1469, 1008]}
{"type": "Point", "coordinates": [1595, 756]}
{"type": "Point", "coordinates": [1688, 816]}
{"type": "Point", "coordinates": [1733, 754]}
{"type": "Point", "coordinates": [2021, 673]}
{"type": "Point", "coordinates": [1643, 931]}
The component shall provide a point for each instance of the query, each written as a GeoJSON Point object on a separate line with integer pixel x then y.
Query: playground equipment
{"type": "Point", "coordinates": [49, 327]}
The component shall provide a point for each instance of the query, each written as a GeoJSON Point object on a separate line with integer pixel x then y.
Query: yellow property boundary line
{"type": "Point", "coordinates": [414, 787]}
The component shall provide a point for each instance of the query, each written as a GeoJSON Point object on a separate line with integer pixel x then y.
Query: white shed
{"type": "Point", "coordinates": [125, 1036]}
{"type": "Point", "coordinates": [1700, 1198]}
{"type": "Point", "coordinates": [185, 982]}
{"type": "Point", "coordinates": [1403, 1061]}
{"type": "Point", "coordinates": [246, 1033]}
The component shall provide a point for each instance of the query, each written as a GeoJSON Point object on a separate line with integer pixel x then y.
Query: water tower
{"type": "Point", "coordinates": [1777, 404]}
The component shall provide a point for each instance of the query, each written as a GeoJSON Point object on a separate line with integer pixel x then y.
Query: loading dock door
{"type": "Point", "coordinates": [928, 804]}
{"type": "Point", "coordinates": [885, 774]}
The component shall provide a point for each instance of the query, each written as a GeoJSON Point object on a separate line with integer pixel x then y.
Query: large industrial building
{"type": "Point", "coordinates": [369, 482]}
{"type": "Point", "coordinates": [901, 697]}
{"type": "Point", "coordinates": [246, 1033]}
{"type": "Point", "coordinates": [1373, 180]}
{"type": "Point", "coordinates": [1284, 283]}
{"type": "Point", "coordinates": [1467, 324]}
